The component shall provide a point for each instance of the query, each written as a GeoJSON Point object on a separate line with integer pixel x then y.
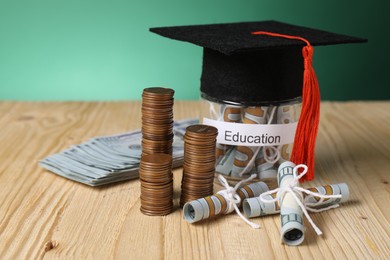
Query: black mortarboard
{"type": "Point", "coordinates": [243, 68]}
{"type": "Point", "coordinates": [263, 62]}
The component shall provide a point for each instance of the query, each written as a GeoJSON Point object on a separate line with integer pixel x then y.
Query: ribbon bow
{"type": "Point", "coordinates": [292, 188]}
{"type": "Point", "coordinates": [230, 193]}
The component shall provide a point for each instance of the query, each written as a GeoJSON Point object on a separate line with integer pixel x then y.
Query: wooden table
{"type": "Point", "coordinates": [43, 215]}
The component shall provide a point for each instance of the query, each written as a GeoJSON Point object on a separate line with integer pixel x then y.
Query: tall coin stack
{"type": "Point", "coordinates": [199, 162]}
{"type": "Point", "coordinates": [156, 184]}
{"type": "Point", "coordinates": [157, 120]}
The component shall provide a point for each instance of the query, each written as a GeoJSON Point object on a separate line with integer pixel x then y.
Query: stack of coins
{"type": "Point", "coordinates": [157, 120]}
{"type": "Point", "coordinates": [156, 184]}
{"type": "Point", "coordinates": [199, 162]}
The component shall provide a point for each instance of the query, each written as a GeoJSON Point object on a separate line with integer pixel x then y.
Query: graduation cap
{"type": "Point", "coordinates": [266, 62]}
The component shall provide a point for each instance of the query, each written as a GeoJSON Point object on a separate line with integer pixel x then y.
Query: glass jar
{"type": "Point", "coordinates": [252, 138]}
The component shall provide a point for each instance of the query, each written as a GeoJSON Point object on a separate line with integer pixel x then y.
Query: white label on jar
{"type": "Point", "coordinates": [253, 134]}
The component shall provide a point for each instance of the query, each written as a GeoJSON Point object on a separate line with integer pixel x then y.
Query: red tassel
{"type": "Point", "coordinates": [306, 133]}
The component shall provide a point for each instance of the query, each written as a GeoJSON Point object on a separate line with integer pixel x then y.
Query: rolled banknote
{"type": "Point", "coordinates": [225, 163]}
{"type": "Point", "coordinates": [255, 207]}
{"type": "Point", "coordinates": [265, 159]}
{"type": "Point", "coordinates": [219, 204]}
{"type": "Point", "coordinates": [232, 114]}
{"type": "Point", "coordinates": [265, 168]}
{"type": "Point", "coordinates": [316, 202]}
{"type": "Point", "coordinates": [244, 154]}
{"type": "Point", "coordinates": [287, 114]}
{"type": "Point", "coordinates": [291, 215]}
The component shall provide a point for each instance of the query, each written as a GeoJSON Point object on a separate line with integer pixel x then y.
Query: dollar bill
{"type": "Point", "coordinates": [107, 159]}
{"type": "Point", "coordinates": [225, 162]}
{"type": "Point", "coordinates": [219, 204]}
{"type": "Point", "coordinates": [291, 215]}
{"type": "Point", "coordinates": [254, 207]}
{"type": "Point", "coordinates": [287, 114]}
{"type": "Point", "coordinates": [244, 154]}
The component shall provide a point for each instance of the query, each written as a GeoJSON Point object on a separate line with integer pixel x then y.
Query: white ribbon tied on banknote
{"type": "Point", "coordinates": [230, 193]}
{"type": "Point", "coordinates": [292, 188]}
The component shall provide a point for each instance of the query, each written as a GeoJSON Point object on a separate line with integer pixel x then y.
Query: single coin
{"type": "Point", "coordinates": [158, 91]}
{"type": "Point", "coordinates": [197, 130]}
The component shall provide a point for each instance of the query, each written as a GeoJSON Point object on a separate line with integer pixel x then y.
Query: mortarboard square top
{"type": "Point", "coordinates": [244, 68]}
{"type": "Point", "coordinates": [230, 38]}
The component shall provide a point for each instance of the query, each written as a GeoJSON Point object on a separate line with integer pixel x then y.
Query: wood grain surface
{"type": "Point", "coordinates": [46, 216]}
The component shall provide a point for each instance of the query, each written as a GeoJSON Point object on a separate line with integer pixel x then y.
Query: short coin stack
{"type": "Point", "coordinates": [156, 184]}
{"type": "Point", "coordinates": [199, 162]}
{"type": "Point", "coordinates": [157, 120]}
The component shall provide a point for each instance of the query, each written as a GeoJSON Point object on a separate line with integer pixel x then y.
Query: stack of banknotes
{"type": "Point", "coordinates": [108, 159]}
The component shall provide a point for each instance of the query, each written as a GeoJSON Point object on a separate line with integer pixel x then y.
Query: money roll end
{"type": "Point", "coordinates": [344, 191]}
{"type": "Point", "coordinates": [293, 237]}
{"type": "Point", "coordinates": [193, 211]}
{"type": "Point", "coordinates": [251, 207]}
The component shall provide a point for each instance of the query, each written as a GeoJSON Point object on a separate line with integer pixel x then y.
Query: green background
{"type": "Point", "coordinates": [102, 50]}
